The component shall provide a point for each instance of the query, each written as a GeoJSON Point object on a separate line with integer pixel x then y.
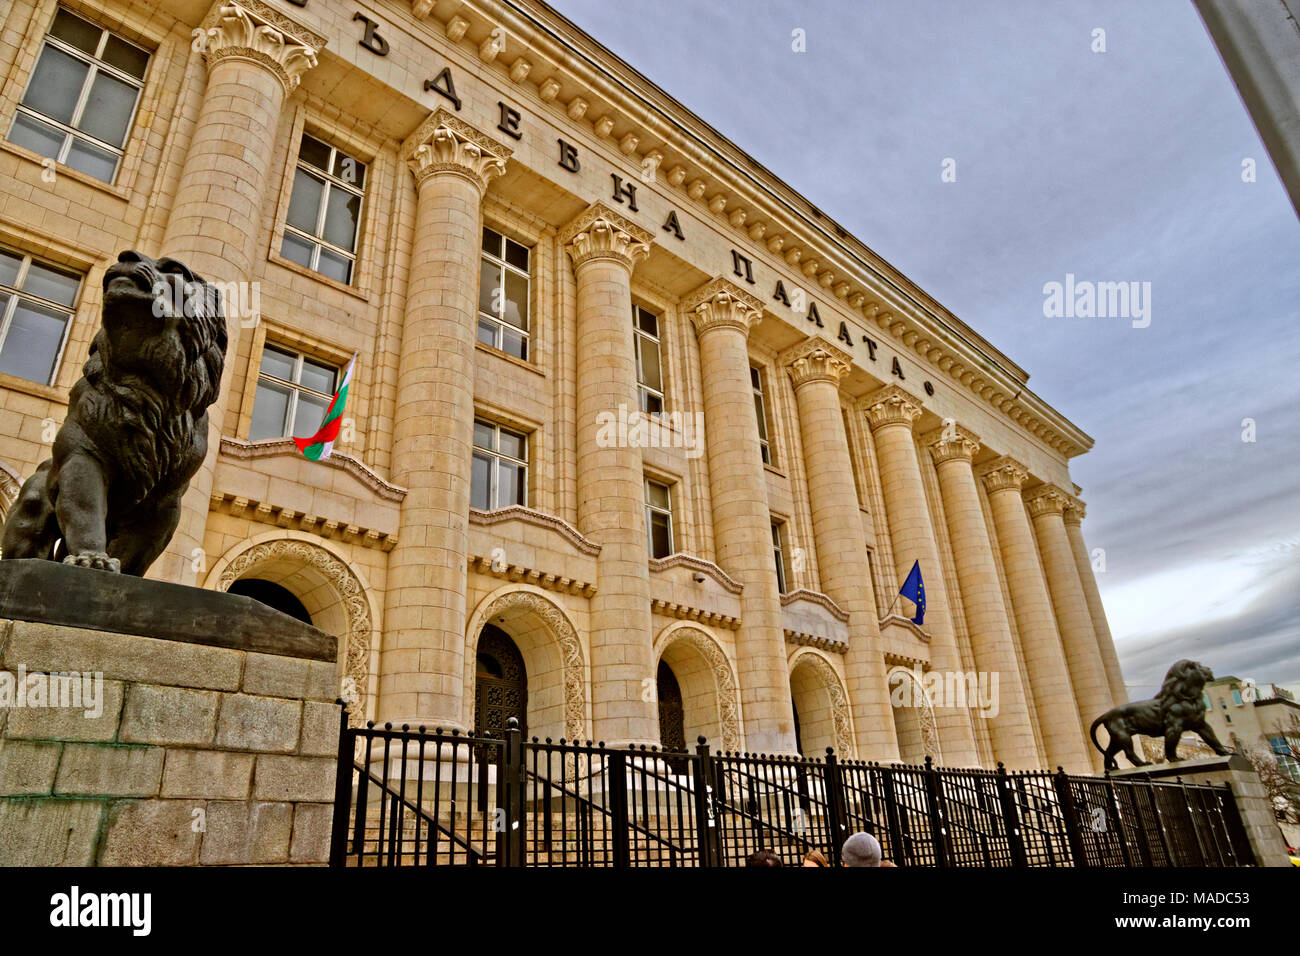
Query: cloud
{"type": "Point", "coordinates": [1116, 166]}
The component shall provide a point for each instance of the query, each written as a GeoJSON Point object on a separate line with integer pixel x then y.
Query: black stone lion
{"type": "Point", "coordinates": [109, 497]}
{"type": "Point", "coordinates": [1180, 706]}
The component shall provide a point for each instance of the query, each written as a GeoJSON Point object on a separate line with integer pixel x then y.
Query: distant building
{"type": "Point", "coordinates": [1264, 717]}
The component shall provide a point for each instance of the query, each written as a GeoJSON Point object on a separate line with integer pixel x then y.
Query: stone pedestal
{"type": "Point", "coordinates": [158, 749]}
{"type": "Point", "coordinates": [1252, 800]}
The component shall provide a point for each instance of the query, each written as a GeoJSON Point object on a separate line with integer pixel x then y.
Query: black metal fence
{"type": "Point", "coordinates": [413, 798]}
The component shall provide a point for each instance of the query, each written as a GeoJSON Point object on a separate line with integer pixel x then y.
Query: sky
{"type": "Point", "coordinates": [1126, 165]}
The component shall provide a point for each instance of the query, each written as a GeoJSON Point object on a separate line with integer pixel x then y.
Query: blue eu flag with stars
{"type": "Point", "coordinates": [914, 590]}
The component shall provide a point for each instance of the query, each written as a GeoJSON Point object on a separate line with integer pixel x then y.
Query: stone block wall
{"type": "Point", "coordinates": [190, 755]}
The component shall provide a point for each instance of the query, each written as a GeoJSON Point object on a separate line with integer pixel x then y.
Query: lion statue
{"type": "Point", "coordinates": [109, 497]}
{"type": "Point", "coordinates": [1179, 707]}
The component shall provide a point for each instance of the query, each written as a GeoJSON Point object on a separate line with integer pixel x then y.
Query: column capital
{"type": "Point", "coordinates": [599, 232]}
{"type": "Point", "coordinates": [1047, 500]}
{"type": "Point", "coordinates": [815, 360]}
{"type": "Point", "coordinates": [444, 143]}
{"type": "Point", "coordinates": [1002, 474]}
{"type": "Point", "coordinates": [720, 303]}
{"type": "Point", "coordinates": [1075, 511]}
{"type": "Point", "coordinates": [891, 406]}
{"type": "Point", "coordinates": [255, 31]}
{"type": "Point", "coordinates": [950, 442]}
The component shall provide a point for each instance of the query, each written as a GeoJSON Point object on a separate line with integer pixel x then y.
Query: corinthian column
{"type": "Point", "coordinates": [1074, 514]}
{"type": "Point", "coordinates": [1087, 674]}
{"type": "Point", "coordinates": [953, 448]}
{"type": "Point", "coordinates": [255, 58]}
{"type": "Point", "coordinates": [604, 247]}
{"type": "Point", "coordinates": [424, 618]}
{"type": "Point", "coordinates": [891, 413]}
{"type": "Point", "coordinates": [1040, 642]}
{"type": "Point", "coordinates": [723, 314]}
{"type": "Point", "coordinates": [815, 367]}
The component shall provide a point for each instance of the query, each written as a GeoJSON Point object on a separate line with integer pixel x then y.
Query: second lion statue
{"type": "Point", "coordinates": [1179, 707]}
{"type": "Point", "coordinates": [136, 432]}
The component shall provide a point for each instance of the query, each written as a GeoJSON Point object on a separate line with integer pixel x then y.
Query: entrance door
{"type": "Point", "coordinates": [672, 716]}
{"type": "Point", "coordinates": [500, 684]}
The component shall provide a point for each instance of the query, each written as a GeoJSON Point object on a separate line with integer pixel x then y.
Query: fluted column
{"type": "Point", "coordinates": [1074, 514]}
{"type": "Point", "coordinates": [422, 663]}
{"type": "Point", "coordinates": [816, 366]}
{"type": "Point", "coordinates": [255, 57]}
{"type": "Point", "coordinates": [953, 449]}
{"type": "Point", "coordinates": [891, 413]}
{"type": "Point", "coordinates": [1040, 641]}
{"type": "Point", "coordinates": [723, 314]}
{"type": "Point", "coordinates": [1087, 674]}
{"type": "Point", "coordinates": [604, 247]}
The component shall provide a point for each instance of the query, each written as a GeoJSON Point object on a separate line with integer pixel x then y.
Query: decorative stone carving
{"type": "Point", "coordinates": [252, 30]}
{"type": "Point", "coordinates": [9, 485]}
{"type": "Point", "coordinates": [444, 143]}
{"type": "Point", "coordinates": [891, 406]}
{"type": "Point", "coordinates": [952, 442]}
{"type": "Point", "coordinates": [1047, 499]}
{"type": "Point", "coordinates": [724, 682]}
{"type": "Point", "coordinates": [816, 360]}
{"type": "Point", "coordinates": [1075, 511]}
{"type": "Point", "coordinates": [720, 303]}
{"type": "Point", "coordinates": [575, 699]}
{"type": "Point", "coordinates": [599, 232]}
{"type": "Point", "coordinates": [350, 592]}
{"type": "Point", "coordinates": [1003, 473]}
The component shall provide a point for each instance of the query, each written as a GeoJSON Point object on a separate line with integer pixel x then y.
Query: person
{"type": "Point", "coordinates": [763, 858]}
{"type": "Point", "coordinates": [814, 858]}
{"type": "Point", "coordinates": [862, 849]}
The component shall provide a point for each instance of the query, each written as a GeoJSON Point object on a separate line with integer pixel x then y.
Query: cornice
{"type": "Point", "coordinates": [240, 450]}
{"type": "Point", "coordinates": [265, 512]}
{"type": "Point", "coordinates": [568, 71]}
{"type": "Point", "coordinates": [693, 563]}
{"type": "Point", "coordinates": [538, 519]}
{"type": "Point", "coordinates": [815, 360]}
{"type": "Point", "coordinates": [719, 304]}
{"type": "Point", "coordinates": [686, 612]}
{"type": "Point", "coordinates": [822, 643]}
{"type": "Point", "coordinates": [805, 596]}
{"type": "Point", "coordinates": [516, 573]}
{"type": "Point", "coordinates": [599, 232]}
{"type": "Point", "coordinates": [907, 624]}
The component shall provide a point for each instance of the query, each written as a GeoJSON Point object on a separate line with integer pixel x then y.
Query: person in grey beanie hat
{"type": "Point", "coordinates": [862, 849]}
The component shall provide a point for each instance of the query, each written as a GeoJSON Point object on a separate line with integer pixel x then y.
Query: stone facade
{"type": "Point", "coordinates": [188, 755]}
{"type": "Point", "coordinates": [892, 433]}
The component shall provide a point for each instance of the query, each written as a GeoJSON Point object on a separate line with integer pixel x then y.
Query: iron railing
{"type": "Point", "coordinates": [417, 798]}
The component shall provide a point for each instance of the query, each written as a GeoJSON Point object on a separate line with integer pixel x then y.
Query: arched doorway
{"type": "Point", "coordinates": [272, 595]}
{"type": "Point", "coordinates": [702, 685]}
{"type": "Point", "coordinates": [914, 722]}
{"type": "Point", "coordinates": [821, 707]}
{"type": "Point", "coordinates": [500, 684]}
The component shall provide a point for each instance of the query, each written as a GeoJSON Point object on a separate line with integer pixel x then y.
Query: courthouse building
{"type": "Point", "coordinates": [639, 445]}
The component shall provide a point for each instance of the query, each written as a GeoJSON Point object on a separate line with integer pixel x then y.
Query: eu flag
{"type": "Point", "coordinates": [914, 590]}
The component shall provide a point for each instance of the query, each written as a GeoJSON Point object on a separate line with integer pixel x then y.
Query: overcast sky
{"type": "Point", "coordinates": [1117, 166]}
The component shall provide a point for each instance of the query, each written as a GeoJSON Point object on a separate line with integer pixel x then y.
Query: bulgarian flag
{"type": "Point", "coordinates": [321, 445]}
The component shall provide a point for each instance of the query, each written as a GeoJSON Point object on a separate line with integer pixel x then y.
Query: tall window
{"type": "Point", "coordinates": [293, 394]}
{"type": "Point", "coordinates": [324, 210]}
{"type": "Point", "coordinates": [500, 477]}
{"type": "Point", "coordinates": [779, 555]}
{"type": "Point", "coordinates": [649, 368]}
{"type": "Point", "coordinates": [1282, 750]}
{"type": "Point", "coordinates": [81, 97]}
{"type": "Point", "coordinates": [503, 295]}
{"type": "Point", "coordinates": [659, 519]}
{"type": "Point", "coordinates": [760, 409]}
{"type": "Point", "coordinates": [35, 311]}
